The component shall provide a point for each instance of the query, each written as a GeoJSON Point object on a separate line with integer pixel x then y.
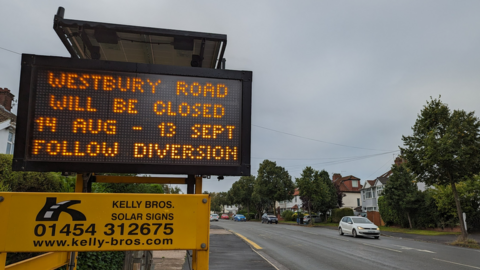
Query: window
{"type": "Point", "coordinates": [354, 183]}
{"type": "Point", "coordinates": [373, 193]}
{"type": "Point", "coordinates": [379, 191]}
{"type": "Point", "coordinates": [363, 194]}
{"type": "Point", "coordinates": [10, 143]}
{"type": "Point", "coordinates": [295, 198]}
{"type": "Point", "coordinates": [369, 194]}
{"type": "Point", "coordinates": [358, 201]}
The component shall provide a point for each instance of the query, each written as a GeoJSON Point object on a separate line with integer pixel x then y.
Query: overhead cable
{"type": "Point", "coordinates": [303, 137]}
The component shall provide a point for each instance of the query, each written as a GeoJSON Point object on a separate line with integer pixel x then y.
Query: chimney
{"type": "Point", "coordinates": [6, 98]}
{"type": "Point", "coordinates": [336, 176]}
{"type": "Point", "coordinates": [398, 161]}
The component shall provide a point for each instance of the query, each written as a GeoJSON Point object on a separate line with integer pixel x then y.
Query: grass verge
{"type": "Point", "coordinates": [469, 243]}
{"type": "Point", "coordinates": [287, 222]}
{"type": "Point", "coordinates": [326, 224]}
{"type": "Point", "coordinates": [419, 232]}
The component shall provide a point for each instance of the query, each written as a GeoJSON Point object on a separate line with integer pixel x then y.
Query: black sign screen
{"type": "Point", "coordinates": [134, 118]}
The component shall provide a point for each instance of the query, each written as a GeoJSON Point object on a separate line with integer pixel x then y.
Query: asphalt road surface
{"type": "Point", "coordinates": [298, 247]}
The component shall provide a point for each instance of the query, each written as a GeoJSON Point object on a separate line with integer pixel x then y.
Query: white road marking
{"type": "Point", "coordinates": [457, 263]}
{"type": "Point", "coordinates": [264, 258]}
{"type": "Point", "coordinates": [409, 248]}
{"type": "Point", "coordinates": [383, 248]}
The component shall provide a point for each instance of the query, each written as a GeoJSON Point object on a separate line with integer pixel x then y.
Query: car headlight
{"type": "Point", "coordinates": [378, 229]}
{"type": "Point", "coordinates": [361, 228]}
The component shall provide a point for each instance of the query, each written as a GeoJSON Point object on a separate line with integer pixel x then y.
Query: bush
{"type": "Point", "coordinates": [248, 216]}
{"type": "Point", "coordinates": [339, 213]}
{"type": "Point", "coordinates": [106, 260]}
{"type": "Point", "coordinates": [294, 216]}
{"type": "Point", "coordinates": [287, 215]}
{"type": "Point", "coordinates": [28, 181]}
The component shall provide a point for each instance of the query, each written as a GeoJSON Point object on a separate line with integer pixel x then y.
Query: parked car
{"type": "Point", "coordinates": [225, 216]}
{"type": "Point", "coordinates": [358, 226]}
{"type": "Point", "coordinates": [213, 217]}
{"type": "Point", "coordinates": [306, 219]}
{"type": "Point", "coordinates": [239, 218]}
{"type": "Point", "coordinates": [266, 218]}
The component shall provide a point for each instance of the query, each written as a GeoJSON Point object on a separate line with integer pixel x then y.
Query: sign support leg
{"type": "Point", "coordinates": [80, 186]}
{"type": "Point", "coordinates": [200, 258]}
{"type": "Point", "coordinates": [3, 260]}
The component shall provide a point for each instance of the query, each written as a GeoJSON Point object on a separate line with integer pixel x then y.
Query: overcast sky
{"type": "Point", "coordinates": [349, 75]}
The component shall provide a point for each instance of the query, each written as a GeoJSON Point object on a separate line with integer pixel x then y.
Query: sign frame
{"type": "Point", "coordinates": [26, 106]}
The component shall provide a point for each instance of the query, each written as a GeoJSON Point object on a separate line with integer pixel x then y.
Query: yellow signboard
{"type": "Point", "coordinates": [40, 222]}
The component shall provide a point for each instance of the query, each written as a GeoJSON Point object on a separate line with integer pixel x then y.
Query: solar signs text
{"type": "Point", "coordinates": [176, 117]}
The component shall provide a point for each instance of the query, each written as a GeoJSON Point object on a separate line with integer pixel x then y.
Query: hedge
{"type": "Point", "coordinates": [339, 213]}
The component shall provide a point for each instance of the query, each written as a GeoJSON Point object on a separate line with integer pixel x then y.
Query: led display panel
{"type": "Point", "coordinates": [132, 118]}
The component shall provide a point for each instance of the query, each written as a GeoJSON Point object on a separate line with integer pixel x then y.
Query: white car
{"type": "Point", "coordinates": [213, 217]}
{"type": "Point", "coordinates": [358, 226]}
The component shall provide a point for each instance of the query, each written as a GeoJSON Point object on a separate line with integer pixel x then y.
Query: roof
{"type": "Point", "coordinates": [297, 192]}
{"type": "Point", "coordinates": [340, 181]}
{"type": "Point", "coordinates": [383, 180]}
{"type": "Point", "coordinates": [7, 115]}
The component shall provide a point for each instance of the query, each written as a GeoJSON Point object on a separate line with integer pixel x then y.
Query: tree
{"type": "Point", "coordinates": [273, 183]}
{"type": "Point", "coordinates": [444, 148]}
{"type": "Point", "coordinates": [172, 190]}
{"type": "Point", "coordinates": [241, 192]}
{"type": "Point", "coordinates": [308, 187]}
{"type": "Point", "coordinates": [401, 193]}
{"type": "Point", "coordinates": [338, 195]}
{"type": "Point", "coordinates": [468, 193]}
{"type": "Point", "coordinates": [330, 199]}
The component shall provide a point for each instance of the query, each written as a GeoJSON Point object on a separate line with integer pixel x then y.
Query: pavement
{"type": "Point", "coordinates": [229, 251]}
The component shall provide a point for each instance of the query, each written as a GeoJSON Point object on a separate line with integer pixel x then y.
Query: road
{"type": "Point", "coordinates": [299, 247]}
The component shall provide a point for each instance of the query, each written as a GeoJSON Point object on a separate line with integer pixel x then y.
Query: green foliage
{"type": "Point", "coordinates": [246, 214]}
{"type": "Point", "coordinates": [297, 214]}
{"type": "Point", "coordinates": [241, 192]}
{"type": "Point", "coordinates": [468, 193]}
{"type": "Point", "coordinates": [106, 260]}
{"type": "Point", "coordinates": [126, 188]}
{"type": "Point", "coordinates": [339, 213]}
{"type": "Point", "coordinates": [28, 181]}
{"type": "Point", "coordinates": [172, 190]}
{"type": "Point", "coordinates": [287, 215]}
{"type": "Point", "coordinates": [218, 200]}
{"type": "Point", "coordinates": [389, 215]}
{"type": "Point", "coordinates": [329, 200]}
{"type": "Point", "coordinates": [401, 192]}
{"type": "Point", "coordinates": [310, 189]}
{"type": "Point", "coordinates": [15, 257]}
{"type": "Point", "coordinates": [273, 183]}
{"type": "Point", "coordinates": [444, 148]}
{"type": "Point", "coordinates": [445, 145]}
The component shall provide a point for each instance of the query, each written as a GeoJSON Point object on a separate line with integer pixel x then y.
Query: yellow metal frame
{"type": "Point", "coordinates": [52, 260]}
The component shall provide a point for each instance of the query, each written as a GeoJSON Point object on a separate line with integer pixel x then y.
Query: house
{"type": "Point", "coordinates": [7, 122]}
{"type": "Point", "coordinates": [292, 205]}
{"type": "Point", "coordinates": [374, 188]}
{"type": "Point", "coordinates": [230, 209]}
{"type": "Point", "coordinates": [350, 186]}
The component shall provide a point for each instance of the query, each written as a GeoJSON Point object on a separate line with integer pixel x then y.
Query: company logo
{"type": "Point", "coordinates": [52, 210]}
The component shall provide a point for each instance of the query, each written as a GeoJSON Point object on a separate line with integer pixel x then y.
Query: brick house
{"type": "Point", "coordinates": [350, 186]}
{"type": "Point", "coordinates": [7, 122]}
